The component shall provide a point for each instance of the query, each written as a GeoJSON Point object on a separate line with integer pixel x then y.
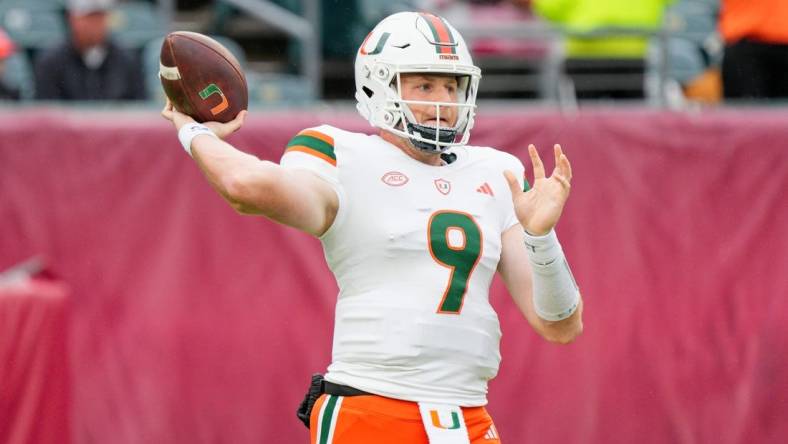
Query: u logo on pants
{"type": "Point", "coordinates": [380, 420]}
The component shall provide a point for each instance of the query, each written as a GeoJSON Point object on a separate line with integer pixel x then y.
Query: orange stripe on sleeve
{"type": "Point", "coordinates": [318, 135]}
{"type": "Point", "coordinates": [312, 152]}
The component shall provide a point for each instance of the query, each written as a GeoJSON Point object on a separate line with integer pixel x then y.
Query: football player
{"type": "Point", "coordinates": [414, 223]}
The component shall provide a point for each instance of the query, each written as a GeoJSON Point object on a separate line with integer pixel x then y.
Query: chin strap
{"type": "Point", "coordinates": [428, 132]}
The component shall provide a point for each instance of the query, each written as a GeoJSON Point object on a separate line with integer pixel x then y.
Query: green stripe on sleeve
{"type": "Point", "coordinates": [314, 143]}
{"type": "Point", "coordinates": [526, 185]}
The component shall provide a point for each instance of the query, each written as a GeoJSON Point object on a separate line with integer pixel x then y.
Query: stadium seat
{"type": "Point", "coordinates": [279, 89]}
{"type": "Point", "coordinates": [607, 77]}
{"type": "Point", "coordinates": [33, 25]}
{"type": "Point", "coordinates": [151, 52]}
{"type": "Point", "coordinates": [19, 74]}
{"type": "Point", "coordinates": [136, 23]}
{"type": "Point", "coordinates": [54, 5]}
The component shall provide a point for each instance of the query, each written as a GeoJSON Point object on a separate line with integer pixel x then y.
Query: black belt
{"type": "Point", "coordinates": [342, 390]}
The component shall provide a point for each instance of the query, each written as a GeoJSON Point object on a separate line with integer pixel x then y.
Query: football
{"type": "Point", "coordinates": [201, 77]}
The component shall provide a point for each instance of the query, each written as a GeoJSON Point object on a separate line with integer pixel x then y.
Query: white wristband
{"type": "Point", "coordinates": [556, 295]}
{"type": "Point", "coordinates": [544, 249]}
{"type": "Point", "coordinates": [188, 132]}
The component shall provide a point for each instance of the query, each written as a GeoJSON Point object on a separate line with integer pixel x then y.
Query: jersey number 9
{"type": "Point", "coordinates": [459, 257]}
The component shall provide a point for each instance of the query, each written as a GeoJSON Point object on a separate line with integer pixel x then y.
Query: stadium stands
{"type": "Point", "coordinates": [33, 25]}
{"type": "Point", "coordinates": [19, 74]}
{"type": "Point", "coordinates": [519, 53]}
{"type": "Point", "coordinates": [135, 23]}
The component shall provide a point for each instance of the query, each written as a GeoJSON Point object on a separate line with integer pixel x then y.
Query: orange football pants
{"type": "Point", "coordinates": [379, 420]}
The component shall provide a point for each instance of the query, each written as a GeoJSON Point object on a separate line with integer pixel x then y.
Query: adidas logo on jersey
{"type": "Point", "coordinates": [485, 189]}
{"type": "Point", "coordinates": [491, 434]}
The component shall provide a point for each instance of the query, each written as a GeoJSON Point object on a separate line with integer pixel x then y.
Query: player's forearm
{"type": "Point", "coordinates": [564, 331]}
{"type": "Point", "coordinates": [561, 332]}
{"type": "Point", "coordinates": [541, 285]}
{"type": "Point", "coordinates": [298, 199]}
{"type": "Point", "coordinates": [237, 176]}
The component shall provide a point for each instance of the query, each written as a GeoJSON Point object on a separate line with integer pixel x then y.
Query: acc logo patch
{"type": "Point", "coordinates": [394, 179]}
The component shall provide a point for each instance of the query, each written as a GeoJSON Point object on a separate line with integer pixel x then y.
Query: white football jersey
{"type": "Point", "coordinates": [414, 248]}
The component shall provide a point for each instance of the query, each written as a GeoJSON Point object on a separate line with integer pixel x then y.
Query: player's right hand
{"type": "Point", "coordinates": [222, 130]}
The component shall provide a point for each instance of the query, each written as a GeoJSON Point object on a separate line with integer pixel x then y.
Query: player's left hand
{"type": "Point", "coordinates": [222, 130]}
{"type": "Point", "coordinates": [539, 208]}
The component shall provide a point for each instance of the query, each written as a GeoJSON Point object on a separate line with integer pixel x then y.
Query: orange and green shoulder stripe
{"type": "Point", "coordinates": [314, 143]}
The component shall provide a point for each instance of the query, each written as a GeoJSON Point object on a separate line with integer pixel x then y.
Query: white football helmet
{"type": "Point", "coordinates": [411, 42]}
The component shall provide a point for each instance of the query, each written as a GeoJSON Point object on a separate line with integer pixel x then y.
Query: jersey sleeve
{"type": "Point", "coordinates": [313, 149]}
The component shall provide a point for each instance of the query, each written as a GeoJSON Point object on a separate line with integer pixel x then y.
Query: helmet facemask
{"type": "Point", "coordinates": [415, 43]}
{"type": "Point", "coordinates": [437, 138]}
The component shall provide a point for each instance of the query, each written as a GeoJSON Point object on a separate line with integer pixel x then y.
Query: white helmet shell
{"type": "Point", "coordinates": [411, 42]}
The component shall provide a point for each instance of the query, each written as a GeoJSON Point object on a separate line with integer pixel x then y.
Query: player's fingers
{"type": "Point", "coordinates": [537, 163]}
{"type": "Point", "coordinates": [167, 113]}
{"type": "Point", "coordinates": [562, 180]}
{"type": "Point", "coordinates": [566, 167]}
{"type": "Point", "coordinates": [238, 122]}
{"type": "Point", "coordinates": [514, 185]}
{"type": "Point", "coordinates": [241, 118]}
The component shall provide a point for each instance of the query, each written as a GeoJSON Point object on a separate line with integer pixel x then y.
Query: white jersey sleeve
{"type": "Point", "coordinates": [313, 149]}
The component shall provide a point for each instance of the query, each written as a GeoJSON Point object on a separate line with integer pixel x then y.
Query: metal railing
{"type": "Point", "coordinates": [555, 84]}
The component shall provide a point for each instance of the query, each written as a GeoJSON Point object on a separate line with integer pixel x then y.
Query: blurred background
{"type": "Point", "coordinates": [665, 53]}
{"type": "Point", "coordinates": [137, 307]}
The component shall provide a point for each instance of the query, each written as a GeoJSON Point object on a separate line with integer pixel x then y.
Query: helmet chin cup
{"type": "Point", "coordinates": [428, 135]}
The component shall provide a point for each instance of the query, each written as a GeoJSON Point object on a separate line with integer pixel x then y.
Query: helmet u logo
{"type": "Point", "coordinates": [436, 421]}
{"type": "Point", "coordinates": [378, 47]}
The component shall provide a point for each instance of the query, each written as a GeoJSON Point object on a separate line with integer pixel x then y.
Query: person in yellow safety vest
{"type": "Point", "coordinates": [588, 15]}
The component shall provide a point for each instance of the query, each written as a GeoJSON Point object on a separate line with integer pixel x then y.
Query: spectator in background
{"type": "Point", "coordinates": [89, 65]}
{"type": "Point", "coordinates": [588, 15]}
{"type": "Point", "coordinates": [584, 53]}
{"type": "Point", "coordinates": [695, 49]}
{"type": "Point", "coordinates": [7, 49]}
{"type": "Point", "coordinates": [756, 48]}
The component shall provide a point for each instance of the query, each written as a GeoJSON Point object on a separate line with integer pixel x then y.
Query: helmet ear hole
{"type": "Point", "coordinates": [368, 92]}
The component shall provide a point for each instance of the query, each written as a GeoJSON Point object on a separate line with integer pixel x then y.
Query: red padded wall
{"type": "Point", "coordinates": [191, 323]}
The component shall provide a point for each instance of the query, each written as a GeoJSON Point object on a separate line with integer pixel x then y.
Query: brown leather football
{"type": "Point", "coordinates": [201, 77]}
